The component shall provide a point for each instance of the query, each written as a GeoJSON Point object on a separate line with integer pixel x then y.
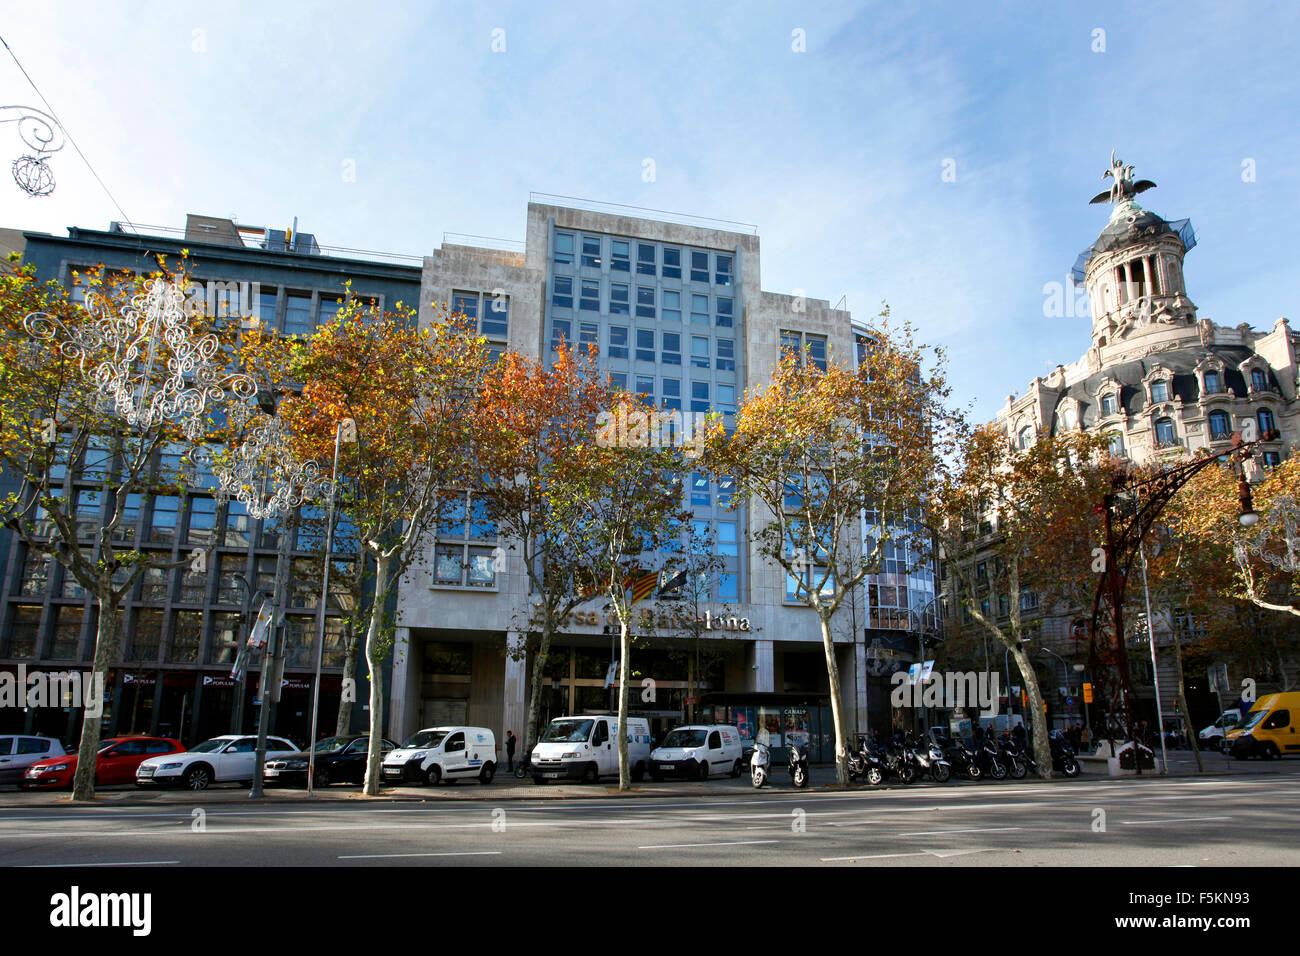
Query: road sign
{"type": "Point", "coordinates": [1087, 693]}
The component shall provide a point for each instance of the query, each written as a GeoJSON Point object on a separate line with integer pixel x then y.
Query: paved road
{"type": "Point", "coordinates": [1157, 822]}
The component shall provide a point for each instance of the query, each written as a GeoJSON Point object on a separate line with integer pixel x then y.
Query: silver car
{"type": "Point", "coordinates": [18, 752]}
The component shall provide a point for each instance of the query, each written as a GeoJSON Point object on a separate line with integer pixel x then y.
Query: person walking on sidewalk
{"type": "Point", "coordinates": [510, 751]}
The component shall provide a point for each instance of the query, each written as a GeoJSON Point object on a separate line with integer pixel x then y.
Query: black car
{"type": "Point", "coordinates": [338, 760]}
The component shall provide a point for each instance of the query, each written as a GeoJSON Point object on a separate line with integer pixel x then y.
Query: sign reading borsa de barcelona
{"type": "Point", "coordinates": [673, 620]}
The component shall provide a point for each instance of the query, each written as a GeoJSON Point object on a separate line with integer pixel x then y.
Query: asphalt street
{"type": "Point", "coordinates": [1176, 821]}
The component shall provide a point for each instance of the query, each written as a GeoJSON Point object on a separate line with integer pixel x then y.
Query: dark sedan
{"type": "Point", "coordinates": [338, 760]}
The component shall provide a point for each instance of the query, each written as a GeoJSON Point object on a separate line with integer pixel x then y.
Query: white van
{"type": "Point", "coordinates": [1214, 735]}
{"type": "Point", "coordinates": [698, 751]}
{"type": "Point", "coordinates": [586, 748]}
{"type": "Point", "coordinates": [443, 753]}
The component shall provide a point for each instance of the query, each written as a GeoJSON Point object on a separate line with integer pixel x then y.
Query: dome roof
{"type": "Point", "coordinates": [1130, 224]}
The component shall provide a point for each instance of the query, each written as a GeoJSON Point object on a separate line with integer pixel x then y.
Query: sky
{"type": "Point", "coordinates": [938, 157]}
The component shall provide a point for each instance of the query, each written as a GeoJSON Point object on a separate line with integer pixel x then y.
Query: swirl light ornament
{"type": "Point", "coordinates": [148, 364]}
{"type": "Point", "coordinates": [42, 133]}
{"type": "Point", "coordinates": [1280, 524]}
{"type": "Point", "coordinates": [263, 472]}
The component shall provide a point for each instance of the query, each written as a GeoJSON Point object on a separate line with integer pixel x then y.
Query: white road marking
{"type": "Point", "coordinates": [1142, 823]}
{"type": "Point", "coordinates": [680, 846]}
{"type": "Point", "coordinates": [970, 830]}
{"type": "Point", "coordinates": [46, 866]}
{"type": "Point", "coordinates": [395, 856]}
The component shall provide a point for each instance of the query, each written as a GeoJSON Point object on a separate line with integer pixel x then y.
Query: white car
{"type": "Point", "coordinates": [225, 759]}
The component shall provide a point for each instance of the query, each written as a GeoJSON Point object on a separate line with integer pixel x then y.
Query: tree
{"type": "Point", "coordinates": [621, 500]}
{"type": "Point", "coordinates": [411, 394]}
{"type": "Point", "coordinates": [1015, 522]}
{"type": "Point", "coordinates": [102, 406]}
{"type": "Point", "coordinates": [820, 454]}
{"type": "Point", "coordinates": [534, 425]}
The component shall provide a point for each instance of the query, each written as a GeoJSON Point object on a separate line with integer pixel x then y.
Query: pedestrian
{"type": "Point", "coordinates": [510, 751]}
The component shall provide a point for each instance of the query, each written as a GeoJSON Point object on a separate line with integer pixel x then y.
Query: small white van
{"type": "Point", "coordinates": [443, 753]}
{"type": "Point", "coordinates": [698, 751]}
{"type": "Point", "coordinates": [586, 748]}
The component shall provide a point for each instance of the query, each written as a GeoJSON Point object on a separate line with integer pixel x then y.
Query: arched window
{"type": "Point", "coordinates": [1213, 383]}
{"type": "Point", "coordinates": [1266, 421]}
{"type": "Point", "coordinates": [1165, 435]}
{"type": "Point", "coordinates": [1160, 391]}
{"type": "Point", "coordinates": [1108, 405]}
{"type": "Point", "coordinates": [1220, 425]}
{"type": "Point", "coordinates": [1258, 380]}
{"type": "Point", "coordinates": [1026, 437]}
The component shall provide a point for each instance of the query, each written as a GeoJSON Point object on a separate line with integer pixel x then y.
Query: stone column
{"type": "Point", "coordinates": [761, 661]}
{"type": "Point", "coordinates": [403, 707]}
{"type": "Point", "coordinates": [514, 712]}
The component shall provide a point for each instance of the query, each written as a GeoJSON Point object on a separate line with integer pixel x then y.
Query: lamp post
{"type": "Point", "coordinates": [344, 431]}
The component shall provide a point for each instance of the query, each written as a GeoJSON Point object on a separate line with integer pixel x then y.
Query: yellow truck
{"type": "Point", "coordinates": [1269, 730]}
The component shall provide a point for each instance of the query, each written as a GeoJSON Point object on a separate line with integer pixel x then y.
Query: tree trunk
{"type": "Point", "coordinates": [535, 686]}
{"type": "Point", "coordinates": [624, 675]}
{"type": "Point", "coordinates": [833, 674]}
{"type": "Point", "coordinates": [374, 662]}
{"type": "Point", "coordinates": [343, 725]}
{"type": "Point", "coordinates": [1038, 715]}
{"type": "Point", "coordinates": [1182, 704]}
{"type": "Point", "coordinates": [83, 784]}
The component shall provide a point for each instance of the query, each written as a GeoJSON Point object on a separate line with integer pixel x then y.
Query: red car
{"type": "Point", "coordinates": [118, 757]}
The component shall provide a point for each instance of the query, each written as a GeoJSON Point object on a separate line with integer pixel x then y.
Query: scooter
{"type": "Point", "coordinates": [798, 765]}
{"type": "Point", "coordinates": [929, 759]}
{"type": "Point", "coordinates": [759, 764]}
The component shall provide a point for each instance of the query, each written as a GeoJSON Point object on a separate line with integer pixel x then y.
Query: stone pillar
{"type": "Point", "coordinates": [859, 718]}
{"type": "Point", "coordinates": [403, 706]}
{"type": "Point", "coordinates": [762, 670]}
{"type": "Point", "coordinates": [514, 710]}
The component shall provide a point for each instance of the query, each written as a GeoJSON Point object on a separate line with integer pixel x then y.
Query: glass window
{"type": "Point", "coordinates": [1272, 459]}
{"type": "Point", "coordinates": [297, 315]}
{"type": "Point", "coordinates": [725, 317]}
{"type": "Point", "coordinates": [618, 299]}
{"type": "Point", "coordinates": [817, 351]}
{"type": "Point", "coordinates": [1165, 433]}
{"type": "Point", "coordinates": [203, 521]}
{"type": "Point", "coordinates": [588, 336]}
{"type": "Point", "coordinates": [699, 267]}
{"type": "Point", "coordinates": [722, 270]}
{"type": "Point", "coordinates": [618, 381]}
{"type": "Point", "coordinates": [590, 299]}
{"type": "Point", "coordinates": [1220, 425]}
{"type": "Point", "coordinates": [727, 541]}
{"type": "Point", "coordinates": [618, 341]}
{"type": "Point", "coordinates": [266, 303]}
{"type": "Point", "coordinates": [700, 309]}
{"type": "Point", "coordinates": [699, 351]}
{"type": "Point", "coordinates": [1266, 421]}
{"type": "Point", "coordinates": [672, 306]}
{"type": "Point", "coordinates": [645, 302]}
{"type": "Point", "coordinates": [672, 354]}
{"type": "Point", "coordinates": [645, 385]}
{"type": "Point", "coordinates": [466, 303]}
{"type": "Point", "coordinates": [672, 390]}
{"type": "Point", "coordinates": [496, 315]}
{"type": "Point", "coordinates": [620, 257]}
{"type": "Point", "coordinates": [163, 527]}
{"type": "Point", "coordinates": [329, 308]}
{"type": "Point", "coordinates": [563, 249]}
{"type": "Point", "coordinates": [1116, 445]}
{"type": "Point", "coordinates": [1213, 384]}
{"type": "Point", "coordinates": [562, 296]}
{"type": "Point", "coordinates": [701, 495]}
{"type": "Point", "coordinates": [645, 345]}
{"type": "Point", "coordinates": [237, 524]}
{"type": "Point", "coordinates": [591, 252]}
{"type": "Point", "coordinates": [1108, 405]}
{"type": "Point", "coordinates": [726, 355]}
{"type": "Point", "coordinates": [699, 396]}
{"type": "Point", "coordinates": [672, 263]}
{"type": "Point", "coordinates": [1159, 391]}
{"type": "Point", "coordinates": [561, 330]}
{"type": "Point", "coordinates": [728, 587]}
{"type": "Point", "coordinates": [645, 259]}
{"type": "Point", "coordinates": [1258, 380]}
{"type": "Point", "coordinates": [727, 398]}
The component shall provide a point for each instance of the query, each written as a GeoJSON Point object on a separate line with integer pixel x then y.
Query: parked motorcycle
{"type": "Point", "coordinates": [1015, 761]}
{"type": "Point", "coordinates": [929, 759]}
{"type": "Point", "coordinates": [964, 762]}
{"type": "Point", "coordinates": [798, 766]}
{"type": "Point", "coordinates": [759, 764]}
{"type": "Point", "coordinates": [868, 762]}
{"type": "Point", "coordinates": [990, 761]}
{"type": "Point", "coordinates": [1063, 756]}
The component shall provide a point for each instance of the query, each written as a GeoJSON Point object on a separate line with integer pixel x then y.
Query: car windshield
{"type": "Point", "coordinates": [425, 738]}
{"type": "Point", "coordinates": [561, 731]}
{"type": "Point", "coordinates": [685, 738]}
{"type": "Point", "coordinates": [208, 746]}
{"type": "Point", "coordinates": [105, 744]}
{"type": "Point", "coordinates": [331, 745]}
{"type": "Point", "coordinates": [1255, 717]}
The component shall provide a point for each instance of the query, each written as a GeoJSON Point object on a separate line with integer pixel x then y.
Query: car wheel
{"type": "Point", "coordinates": [735, 769]}
{"type": "Point", "coordinates": [1269, 750]}
{"type": "Point", "coordinates": [591, 774]}
{"type": "Point", "coordinates": [942, 773]}
{"type": "Point", "coordinates": [702, 773]}
{"type": "Point", "coordinates": [487, 773]}
{"type": "Point", "coordinates": [874, 776]}
{"type": "Point", "coordinates": [433, 775]}
{"type": "Point", "coordinates": [197, 778]}
{"type": "Point", "coordinates": [322, 778]}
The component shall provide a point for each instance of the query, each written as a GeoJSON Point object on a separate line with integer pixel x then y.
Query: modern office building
{"type": "Point", "coordinates": [677, 311]}
{"type": "Point", "coordinates": [180, 628]}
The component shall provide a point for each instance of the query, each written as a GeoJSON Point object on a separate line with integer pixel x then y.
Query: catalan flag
{"type": "Point", "coordinates": [643, 585]}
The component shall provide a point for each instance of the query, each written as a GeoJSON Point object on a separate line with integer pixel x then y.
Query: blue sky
{"type": "Point", "coordinates": [836, 153]}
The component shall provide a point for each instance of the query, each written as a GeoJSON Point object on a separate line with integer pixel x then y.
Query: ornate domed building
{"type": "Point", "coordinates": [1159, 379]}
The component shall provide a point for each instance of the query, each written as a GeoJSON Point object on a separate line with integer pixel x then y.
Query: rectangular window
{"type": "Point", "coordinates": [673, 393]}
{"type": "Point", "coordinates": [618, 299]}
{"type": "Point", "coordinates": [67, 633]}
{"type": "Point", "coordinates": [726, 355]}
{"type": "Point", "coordinates": [130, 517]}
{"type": "Point", "coordinates": [722, 270]}
{"type": "Point", "coordinates": [329, 308]}
{"type": "Point", "coordinates": [725, 317]}
{"type": "Point", "coordinates": [618, 341]}
{"type": "Point", "coordinates": [817, 351]}
{"type": "Point", "coordinates": [672, 263]}
{"type": "Point", "coordinates": [618, 381]}
{"type": "Point", "coordinates": [266, 303]}
{"type": "Point", "coordinates": [561, 330]}
{"type": "Point", "coordinates": [203, 521]}
{"type": "Point", "coordinates": [700, 493]}
{"type": "Point", "coordinates": [588, 337]}
{"type": "Point", "coordinates": [645, 259]}
{"type": "Point", "coordinates": [728, 544]}
{"type": "Point", "coordinates": [1159, 392]}
{"type": "Point", "coordinates": [163, 527]}
{"type": "Point", "coordinates": [699, 351]}
{"type": "Point", "coordinates": [297, 315]}
{"type": "Point", "coordinates": [699, 396]}
{"type": "Point", "coordinates": [645, 345]}
{"type": "Point", "coordinates": [563, 249]}
{"type": "Point", "coordinates": [699, 267]}
{"type": "Point", "coordinates": [496, 315]}
{"type": "Point", "coordinates": [645, 385]}
{"type": "Point", "coordinates": [727, 399]}
{"type": "Point", "coordinates": [237, 524]}
{"type": "Point", "coordinates": [700, 309]}
{"type": "Point", "coordinates": [728, 587]}
{"type": "Point", "coordinates": [187, 629]}
{"type": "Point", "coordinates": [620, 256]}
{"type": "Point", "coordinates": [466, 303]}
{"type": "Point", "coordinates": [672, 306]}
{"type": "Point", "coordinates": [591, 252]}
{"type": "Point", "coordinates": [562, 295]}
{"type": "Point", "coordinates": [645, 302]}
{"type": "Point", "coordinates": [672, 354]}
{"type": "Point", "coordinates": [590, 299]}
